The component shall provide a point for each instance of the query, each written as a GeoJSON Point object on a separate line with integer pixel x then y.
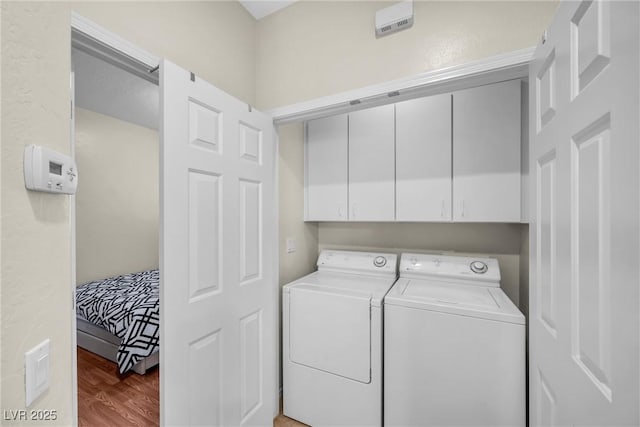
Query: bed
{"type": "Point", "coordinates": [119, 319]}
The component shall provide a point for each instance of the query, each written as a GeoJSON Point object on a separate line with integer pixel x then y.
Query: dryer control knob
{"type": "Point", "coordinates": [479, 267]}
{"type": "Point", "coordinates": [380, 261]}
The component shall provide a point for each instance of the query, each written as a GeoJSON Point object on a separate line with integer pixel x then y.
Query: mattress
{"type": "Point", "coordinates": [127, 306]}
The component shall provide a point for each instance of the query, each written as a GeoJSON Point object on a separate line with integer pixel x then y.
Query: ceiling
{"type": "Point", "coordinates": [261, 8]}
{"type": "Point", "coordinates": [109, 90]}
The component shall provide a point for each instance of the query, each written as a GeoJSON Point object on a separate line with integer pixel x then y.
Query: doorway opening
{"type": "Point", "coordinates": [115, 221]}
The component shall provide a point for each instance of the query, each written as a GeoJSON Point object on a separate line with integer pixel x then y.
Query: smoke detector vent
{"type": "Point", "coordinates": [394, 18]}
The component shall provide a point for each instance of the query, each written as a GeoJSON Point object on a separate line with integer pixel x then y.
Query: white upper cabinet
{"type": "Point", "coordinates": [486, 153]}
{"type": "Point", "coordinates": [372, 164]}
{"type": "Point", "coordinates": [326, 169]}
{"type": "Point", "coordinates": [423, 159]}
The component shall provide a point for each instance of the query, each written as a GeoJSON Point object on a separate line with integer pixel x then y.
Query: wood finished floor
{"type": "Point", "coordinates": [108, 399]}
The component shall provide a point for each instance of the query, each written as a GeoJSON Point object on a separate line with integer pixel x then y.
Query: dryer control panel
{"type": "Point", "coordinates": [358, 262]}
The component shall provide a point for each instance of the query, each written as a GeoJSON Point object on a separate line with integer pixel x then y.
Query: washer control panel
{"type": "Point", "coordinates": [450, 267]}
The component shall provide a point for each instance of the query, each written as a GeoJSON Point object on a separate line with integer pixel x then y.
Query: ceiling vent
{"type": "Point", "coordinates": [394, 18]}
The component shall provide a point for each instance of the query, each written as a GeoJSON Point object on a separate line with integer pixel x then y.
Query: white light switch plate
{"type": "Point", "coordinates": [36, 364]}
{"type": "Point", "coordinates": [291, 245]}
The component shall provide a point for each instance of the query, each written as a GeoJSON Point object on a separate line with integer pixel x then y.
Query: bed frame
{"type": "Point", "coordinates": [102, 342]}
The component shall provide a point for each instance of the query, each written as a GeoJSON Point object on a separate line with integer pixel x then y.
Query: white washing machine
{"type": "Point", "coordinates": [332, 340]}
{"type": "Point", "coordinates": [454, 345]}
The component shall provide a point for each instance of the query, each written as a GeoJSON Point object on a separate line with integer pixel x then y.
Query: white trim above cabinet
{"type": "Point", "coordinates": [497, 68]}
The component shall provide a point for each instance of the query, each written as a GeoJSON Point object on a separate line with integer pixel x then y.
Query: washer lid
{"type": "Point", "coordinates": [467, 300]}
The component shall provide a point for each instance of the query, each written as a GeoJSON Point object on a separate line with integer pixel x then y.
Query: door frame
{"type": "Point", "coordinates": [91, 38]}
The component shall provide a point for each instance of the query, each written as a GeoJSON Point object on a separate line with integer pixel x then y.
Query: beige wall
{"type": "Point", "coordinates": [214, 39]}
{"type": "Point", "coordinates": [291, 207]}
{"type": "Point", "coordinates": [501, 241]}
{"type": "Point", "coordinates": [302, 52]}
{"type": "Point", "coordinates": [117, 207]}
{"type": "Point", "coordinates": [317, 48]}
{"type": "Point", "coordinates": [36, 267]}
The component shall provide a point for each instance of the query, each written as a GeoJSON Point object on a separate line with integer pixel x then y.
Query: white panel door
{"type": "Point", "coordinates": [423, 159]}
{"type": "Point", "coordinates": [218, 268]}
{"type": "Point", "coordinates": [486, 153]}
{"type": "Point", "coordinates": [372, 164]}
{"type": "Point", "coordinates": [584, 292]}
{"type": "Point", "coordinates": [326, 169]}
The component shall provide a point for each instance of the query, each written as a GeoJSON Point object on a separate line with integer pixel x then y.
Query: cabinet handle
{"type": "Point", "coordinates": [340, 211]}
{"type": "Point", "coordinates": [442, 209]}
{"type": "Point", "coordinates": [462, 210]}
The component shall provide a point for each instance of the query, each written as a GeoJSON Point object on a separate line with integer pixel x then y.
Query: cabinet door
{"type": "Point", "coordinates": [486, 153]}
{"type": "Point", "coordinates": [423, 159]}
{"type": "Point", "coordinates": [326, 169]}
{"type": "Point", "coordinates": [372, 164]}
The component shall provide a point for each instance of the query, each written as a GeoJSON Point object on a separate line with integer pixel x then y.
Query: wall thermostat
{"type": "Point", "coordinates": [49, 171]}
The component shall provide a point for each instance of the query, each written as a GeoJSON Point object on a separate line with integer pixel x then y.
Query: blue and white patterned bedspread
{"type": "Point", "coordinates": [128, 306]}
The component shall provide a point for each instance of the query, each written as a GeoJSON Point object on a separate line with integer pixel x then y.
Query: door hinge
{"type": "Point", "coordinates": [193, 77]}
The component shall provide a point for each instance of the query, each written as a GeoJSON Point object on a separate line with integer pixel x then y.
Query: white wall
{"type": "Point", "coordinates": [117, 205]}
{"type": "Point", "coordinates": [216, 40]}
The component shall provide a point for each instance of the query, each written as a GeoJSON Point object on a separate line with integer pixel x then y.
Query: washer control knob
{"type": "Point", "coordinates": [380, 261]}
{"type": "Point", "coordinates": [479, 267]}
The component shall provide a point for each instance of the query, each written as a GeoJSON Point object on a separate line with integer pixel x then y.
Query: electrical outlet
{"type": "Point", "coordinates": [36, 369]}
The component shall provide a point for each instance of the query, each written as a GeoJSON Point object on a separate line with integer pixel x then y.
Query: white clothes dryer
{"type": "Point", "coordinates": [454, 345]}
{"type": "Point", "coordinates": [332, 340]}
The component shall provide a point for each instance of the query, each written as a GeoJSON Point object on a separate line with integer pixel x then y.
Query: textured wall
{"type": "Point", "coordinates": [291, 206]}
{"type": "Point", "coordinates": [318, 48]}
{"type": "Point", "coordinates": [117, 207]}
{"type": "Point", "coordinates": [213, 39]}
{"type": "Point", "coordinates": [36, 265]}
{"type": "Point", "coordinates": [216, 40]}
{"type": "Point", "coordinates": [501, 241]}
